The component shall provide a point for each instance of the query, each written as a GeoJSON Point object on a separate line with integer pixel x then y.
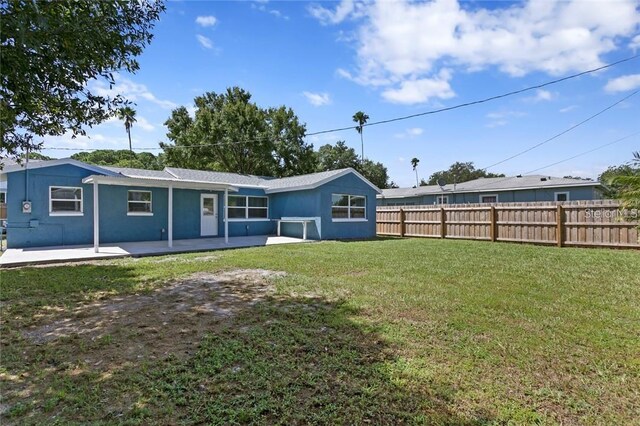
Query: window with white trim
{"type": "Point", "coordinates": [348, 207]}
{"type": "Point", "coordinates": [442, 199]}
{"type": "Point", "coordinates": [493, 198]}
{"type": "Point", "coordinates": [65, 201]}
{"type": "Point", "coordinates": [247, 207]}
{"type": "Point", "coordinates": [561, 196]}
{"type": "Point", "coordinates": [3, 197]}
{"type": "Point", "coordinates": [139, 203]}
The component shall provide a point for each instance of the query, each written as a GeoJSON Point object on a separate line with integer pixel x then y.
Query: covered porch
{"type": "Point", "coordinates": [155, 182]}
{"type": "Point", "coordinates": [58, 254]}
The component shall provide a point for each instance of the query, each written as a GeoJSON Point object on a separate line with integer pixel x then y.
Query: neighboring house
{"type": "Point", "coordinates": [495, 190]}
{"type": "Point", "coordinates": [52, 203]}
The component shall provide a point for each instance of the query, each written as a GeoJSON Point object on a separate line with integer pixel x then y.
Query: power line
{"type": "Point", "coordinates": [492, 98]}
{"type": "Point", "coordinates": [493, 182]}
{"type": "Point", "coordinates": [406, 117]}
{"type": "Point", "coordinates": [583, 153]}
{"type": "Point", "coordinates": [531, 148]}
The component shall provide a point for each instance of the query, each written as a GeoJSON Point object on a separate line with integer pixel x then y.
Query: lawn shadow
{"type": "Point", "coordinates": [225, 353]}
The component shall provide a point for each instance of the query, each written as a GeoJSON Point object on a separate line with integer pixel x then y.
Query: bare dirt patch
{"type": "Point", "coordinates": [169, 321]}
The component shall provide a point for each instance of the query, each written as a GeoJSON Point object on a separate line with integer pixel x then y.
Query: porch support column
{"type": "Point", "coordinates": [170, 217]}
{"type": "Point", "coordinates": [96, 218]}
{"type": "Point", "coordinates": [226, 215]}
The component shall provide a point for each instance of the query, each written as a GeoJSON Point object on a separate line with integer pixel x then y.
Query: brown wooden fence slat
{"type": "Point", "coordinates": [578, 223]}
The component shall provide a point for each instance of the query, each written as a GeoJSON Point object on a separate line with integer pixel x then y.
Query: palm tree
{"type": "Point", "coordinates": [414, 163]}
{"type": "Point", "coordinates": [361, 118]}
{"type": "Point", "coordinates": [128, 115]}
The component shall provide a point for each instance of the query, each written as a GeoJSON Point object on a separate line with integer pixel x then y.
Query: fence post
{"type": "Point", "coordinates": [443, 224]}
{"type": "Point", "coordinates": [560, 225]}
{"type": "Point", "coordinates": [402, 228]}
{"type": "Point", "coordinates": [494, 225]}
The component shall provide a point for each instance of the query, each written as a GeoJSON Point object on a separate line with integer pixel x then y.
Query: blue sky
{"type": "Point", "coordinates": [327, 60]}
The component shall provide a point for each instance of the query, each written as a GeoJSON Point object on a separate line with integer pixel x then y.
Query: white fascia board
{"type": "Point", "coordinates": [158, 183]}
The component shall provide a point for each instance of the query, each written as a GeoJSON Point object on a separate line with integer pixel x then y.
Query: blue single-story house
{"type": "Point", "coordinates": [68, 202]}
{"type": "Point", "coordinates": [513, 189]}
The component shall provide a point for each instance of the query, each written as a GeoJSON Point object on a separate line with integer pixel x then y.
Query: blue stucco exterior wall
{"type": "Point", "coordinates": [50, 230]}
{"type": "Point", "coordinates": [511, 196]}
{"type": "Point", "coordinates": [40, 229]}
{"type": "Point", "coordinates": [317, 203]}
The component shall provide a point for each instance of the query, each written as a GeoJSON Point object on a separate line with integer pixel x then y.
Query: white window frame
{"type": "Point", "coordinates": [555, 196]}
{"type": "Point", "coordinates": [440, 198]}
{"type": "Point", "coordinates": [5, 197]}
{"type": "Point", "coordinates": [488, 195]}
{"type": "Point", "coordinates": [348, 208]}
{"type": "Point", "coordinates": [246, 208]}
{"type": "Point", "coordinates": [66, 213]}
{"type": "Point", "coordinates": [150, 202]}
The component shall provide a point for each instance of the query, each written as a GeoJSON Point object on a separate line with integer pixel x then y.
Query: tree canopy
{"type": "Point", "coordinates": [623, 182]}
{"type": "Point", "coordinates": [121, 158]}
{"type": "Point", "coordinates": [459, 172]}
{"type": "Point", "coordinates": [340, 156]}
{"type": "Point", "coordinates": [51, 50]}
{"type": "Point", "coordinates": [230, 133]}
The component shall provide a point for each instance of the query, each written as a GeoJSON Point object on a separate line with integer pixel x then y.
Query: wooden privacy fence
{"type": "Point", "coordinates": [577, 223]}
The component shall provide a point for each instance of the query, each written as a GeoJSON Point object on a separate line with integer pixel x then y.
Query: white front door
{"type": "Point", "coordinates": [208, 215]}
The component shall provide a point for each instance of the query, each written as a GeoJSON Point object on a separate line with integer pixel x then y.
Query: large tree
{"type": "Point", "coordinates": [459, 172]}
{"type": "Point", "coordinates": [230, 133]}
{"type": "Point", "coordinates": [623, 182]}
{"type": "Point", "coordinates": [121, 158]}
{"type": "Point", "coordinates": [340, 156]}
{"type": "Point", "coordinates": [51, 50]}
{"type": "Point", "coordinates": [613, 186]}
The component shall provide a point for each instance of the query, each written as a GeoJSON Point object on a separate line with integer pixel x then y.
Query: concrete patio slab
{"type": "Point", "coordinates": [57, 254]}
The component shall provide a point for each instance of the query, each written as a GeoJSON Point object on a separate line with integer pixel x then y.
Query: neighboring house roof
{"type": "Point", "coordinates": [510, 183]}
{"type": "Point", "coordinates": [119, 175]}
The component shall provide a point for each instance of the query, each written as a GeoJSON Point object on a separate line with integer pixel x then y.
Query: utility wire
{"type": "Point", "coordinates": [466, 104]}
{"type": "Point", "coordinates": [391, 120]}
{"type": "Point", "coordinates": [498, 180]}
{"type": "Point", "coordinates": [556, 136]}
{"type": "Point", "coordinates": [583, 153]}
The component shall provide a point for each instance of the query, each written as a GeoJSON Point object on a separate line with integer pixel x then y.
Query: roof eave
{"type": "Point", "coordinates": [158, 183]}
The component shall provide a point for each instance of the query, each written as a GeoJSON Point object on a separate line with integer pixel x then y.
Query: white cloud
{"type": "Point", "coordinates": [317, 99]}
{"type": "Point", "coordinates": [623, 84]}
{"type": "Point", "coordinates": [635, 43]}
{"type": "Point", "coordinates": [327, 16]}
{"type": "Point", "coordinates": [400, 43]}
{"type": "Point", "coordinates": [420, 90]}
{"type": "Point", "coordinates": [206, 21]}
{"type": "Point", "coordinates": [262, 6]}
{"type": "Point", "coordinates": [497, 123]}
{"type": "Point", "coordinates": [569, 108]}
{"type": "Point", "coordinates": [409, 133]}
{"type": "Point", "coordinates": [130, 91]}
{"type": "Point", "coordinates": [144, 124]}
{"type": "Point", "coordinates": [543, 95]}
{"type": "Point", "coordinates": [204, 41]}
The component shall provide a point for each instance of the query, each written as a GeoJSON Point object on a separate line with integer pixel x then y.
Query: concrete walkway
{"type": "Point", "coordinates": [57, 254]}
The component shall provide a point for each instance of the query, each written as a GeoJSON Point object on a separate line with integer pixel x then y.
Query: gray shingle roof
{"type": "Point", "coordinates": [177, 174]}
{"type": "Point", "coordinates": [489, 184]}
{"type": "Point", "coordinates": [140, 173]}
{"type": "Point", "coordinates": [302, 180]}
{"type": "Point", "coordinates": [217, 177]}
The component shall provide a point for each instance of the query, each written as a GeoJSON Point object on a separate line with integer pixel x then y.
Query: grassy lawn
{"type": "Point", "coordinates": [389, 331]}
